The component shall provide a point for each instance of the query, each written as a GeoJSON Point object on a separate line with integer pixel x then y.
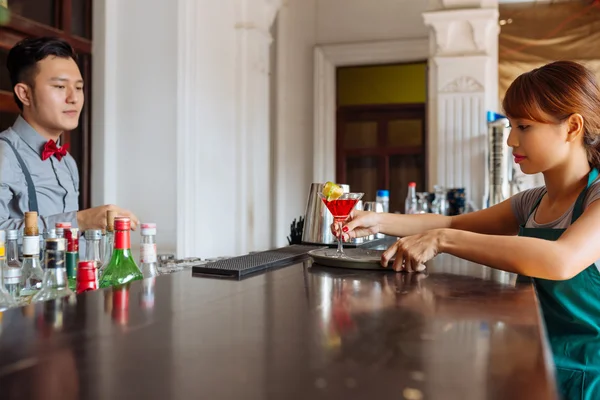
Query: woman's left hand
{"type": "Point", "coordinates": [412, 252]}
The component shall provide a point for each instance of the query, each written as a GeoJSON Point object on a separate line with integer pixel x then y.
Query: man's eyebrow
{"type": "Point", "coordinates": [65, 80]}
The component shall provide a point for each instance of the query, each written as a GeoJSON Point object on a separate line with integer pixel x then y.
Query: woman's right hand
{"type": "Point", "coordinates": [358, 224]}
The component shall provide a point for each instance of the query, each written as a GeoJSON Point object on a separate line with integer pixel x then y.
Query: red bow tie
{"type": "Point", "coordinates": [50, 149]}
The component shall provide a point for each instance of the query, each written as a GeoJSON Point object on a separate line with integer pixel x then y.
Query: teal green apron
{"type": "Point", "coordinates": [571, 312]}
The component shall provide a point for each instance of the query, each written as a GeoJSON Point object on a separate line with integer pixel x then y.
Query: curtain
{"type": "Point", "coordinates": [536, 34]}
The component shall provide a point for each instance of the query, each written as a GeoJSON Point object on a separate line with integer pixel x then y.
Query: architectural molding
{"type": "Point", "coordinates": [463, 31]}
{"type": "Point", "coordinates": [463, 84]}
{"type": "Point", "coordinates": [327, 59]}
{"type": "Point", "coordinates": [257, 15]}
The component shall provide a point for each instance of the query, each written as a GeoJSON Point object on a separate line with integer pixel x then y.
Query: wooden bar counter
{"type": "Point", "coordinates": [461, 331]}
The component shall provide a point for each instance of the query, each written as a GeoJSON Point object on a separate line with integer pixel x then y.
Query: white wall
{"type": "Point", "coordinates": [302, 24]}
{"type": "Point", "coordinates": [340, 21]}
{"type": "Point", "coordinates": [295, 40]}
{"type": "Point", "coordinates": [134, 111]}
{"type": "Point", "coordinates": [137, 87]}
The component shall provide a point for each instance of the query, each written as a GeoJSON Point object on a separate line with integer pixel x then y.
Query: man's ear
{"type": "Point", "coordinates": [24, 93]}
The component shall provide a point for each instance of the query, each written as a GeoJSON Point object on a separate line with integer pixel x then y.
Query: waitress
{"type": "Point", "coordinates": [550, 233]}
{"type": "Point", "coordinates": [36, 173]}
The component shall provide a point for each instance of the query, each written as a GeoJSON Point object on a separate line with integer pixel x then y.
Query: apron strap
{"type": "Point", "coordinates": [578, 209]}
{"type": "Point", "coordinates": [33, 204]}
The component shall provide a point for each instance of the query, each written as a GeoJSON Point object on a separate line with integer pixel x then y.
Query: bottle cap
{"type": "Point", "coordinates": [412, 184]}
{"type": "Point", "coordinates": [86, 276]}
{"type": "Point", "coordinates": [383, 193]}
{"type": "Point", "coordinates": [110, 220]}
{"type": "Point", "coordinates": [148, 229]}
{"type": "Point", "coordinates": [122, 223]}
{"type": "Point", "coordinates": [31, 223]}
{"type": "Point", "coordinates": [93, 234]}
{"type": "Point", "coordinates": [12, 234]}
{"type": "Point", "coordinates": [63, 225]}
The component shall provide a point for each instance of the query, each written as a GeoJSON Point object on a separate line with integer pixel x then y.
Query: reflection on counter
{"type": "Point", "coordinates": [424, 322]}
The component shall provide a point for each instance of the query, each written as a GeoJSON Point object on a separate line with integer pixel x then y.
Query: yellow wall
{"type": "Point", "coordinates": [385, 84]}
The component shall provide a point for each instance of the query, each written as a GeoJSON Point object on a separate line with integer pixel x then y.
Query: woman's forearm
{"type": "Point", "coordinates": [407, 225]}
{"type": "Point", "coordinates": [522, 255]}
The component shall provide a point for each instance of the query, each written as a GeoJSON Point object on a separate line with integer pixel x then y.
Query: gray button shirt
{"type": "Point", "coordinates": [56, 182]}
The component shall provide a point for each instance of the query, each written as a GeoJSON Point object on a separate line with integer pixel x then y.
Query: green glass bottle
{"type": "Point", "coordinates": [121, 268]}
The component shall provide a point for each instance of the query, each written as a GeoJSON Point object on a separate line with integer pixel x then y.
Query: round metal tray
{"type": "Point", "coordinates": [357, 259]}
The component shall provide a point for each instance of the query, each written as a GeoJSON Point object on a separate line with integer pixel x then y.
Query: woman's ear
{"type": "Point", "coordinates": [574, 127]}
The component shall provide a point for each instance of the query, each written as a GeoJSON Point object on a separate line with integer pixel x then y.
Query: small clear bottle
{"type": "Point", "coordinates": [109, 241]}
{"type": "Point", "coordinates": [411, 202]}
{"type": "Point", "coordinates": [60, 228]}
{"type": "Point", "coordinates": [32, 273]}
{"type": "Point", "coordinates": [383, 197]}
{"type": "Point", "coordinates": [55, 284]}
{"type": "Point", "coordinates": [6, 300]}
{"type": "Point", "coordinates": [48, 234]}
{"type": "Point", "coordinates": [13, 272]}
{"type": "Point", "coordinates": [92, 246]}
{"type": "Point", "coordinates": [148, 258]}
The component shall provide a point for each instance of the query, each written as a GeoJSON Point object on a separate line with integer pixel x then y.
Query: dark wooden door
{"type": "Point", "coordinates": [382, 147]}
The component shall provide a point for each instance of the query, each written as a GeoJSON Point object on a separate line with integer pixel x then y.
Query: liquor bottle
{"type": "Point", "coordinates": [48, 234]}
{"type": "Point", "coordinates": [6, 300]}
{"type": "Point", "coordinates": [411, 203]}
{"type": "Point", "coordinates": [55, 284]}
{"type": "Point", "coordinates": [109, 241]}
{"type": "Point", "coordinates": [32, 273]}
{"type": "Point", "coordinates": [148, 259]}
{"type": "Point", "coordinates": [72, 255]}
{"type": "Point", "coordinates": [92, 246]}
{"type": "Point", "coordinates": [12, 271]}
{"type": "Point", "coordinates": [87, 276]}
{"type": "Point", "coordinates": [121, 268]}
{"type": "Point", "coordinates": [60, 228]}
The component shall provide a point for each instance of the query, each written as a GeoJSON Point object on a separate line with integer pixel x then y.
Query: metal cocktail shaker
{"type": "Point", "coordinates": [317, 218]}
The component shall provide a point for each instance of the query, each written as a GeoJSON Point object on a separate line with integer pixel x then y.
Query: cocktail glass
{"type": "Point", "coordinates": [341, 208]}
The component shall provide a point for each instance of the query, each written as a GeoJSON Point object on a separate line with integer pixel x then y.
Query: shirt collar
{"type": "Point", "coordinates": [29, 135]}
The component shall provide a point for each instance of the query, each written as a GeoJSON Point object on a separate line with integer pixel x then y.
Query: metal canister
{"type": "Point", "coordinates": [499, 161]}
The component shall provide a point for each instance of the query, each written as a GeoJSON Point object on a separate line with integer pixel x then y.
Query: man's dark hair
{"type": "Point", "coordinates": [23, 57]}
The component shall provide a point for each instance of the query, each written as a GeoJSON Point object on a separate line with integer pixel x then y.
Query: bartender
{"type": "Point", "coordinates": [36, 172]}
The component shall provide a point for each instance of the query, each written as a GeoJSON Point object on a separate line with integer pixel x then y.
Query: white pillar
{"type": "Point", "coordinates": [254, 152]}
{"type": "Point", "coordinates": [463, 86]}
{"type": "Point", "coordinates": [223, 137]}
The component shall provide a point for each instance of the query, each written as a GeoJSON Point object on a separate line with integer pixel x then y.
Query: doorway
{"type": "Point", "coordinates": [381, 134]}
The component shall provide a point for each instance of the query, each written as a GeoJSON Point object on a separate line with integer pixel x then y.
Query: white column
{"type": "Point", "coordinates": [463, 79]}
{"type": "Point", "coordinates": [223, 137]}
{"type": "Point", "coordinates": [254, 152]}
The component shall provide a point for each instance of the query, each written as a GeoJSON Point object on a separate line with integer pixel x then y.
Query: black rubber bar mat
{"type": "Point", "coordinates": [238, 267]}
